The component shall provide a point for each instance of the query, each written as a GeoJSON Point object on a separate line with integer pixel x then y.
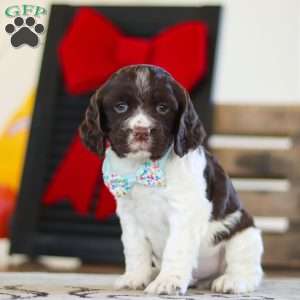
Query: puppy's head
{"type": "Point", "coordinates": [141, 110]}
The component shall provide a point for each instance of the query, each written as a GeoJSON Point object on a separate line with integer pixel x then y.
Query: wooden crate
{"type": "Point", "coordinates": [265, 164]}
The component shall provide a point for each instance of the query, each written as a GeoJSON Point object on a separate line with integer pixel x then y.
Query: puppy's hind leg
{"type": "Point", "coordinates": [243, 271]}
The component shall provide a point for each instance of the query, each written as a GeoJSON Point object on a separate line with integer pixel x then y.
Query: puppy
{"type": "Point", "coordinates": [178, 209]}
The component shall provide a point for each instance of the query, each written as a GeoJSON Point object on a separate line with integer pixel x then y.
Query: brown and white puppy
{"type": "Point", "coordinates": [193, 228]}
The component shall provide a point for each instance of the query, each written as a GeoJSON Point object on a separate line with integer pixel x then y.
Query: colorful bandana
{"type": "Point", "coordinates": [149, 174]}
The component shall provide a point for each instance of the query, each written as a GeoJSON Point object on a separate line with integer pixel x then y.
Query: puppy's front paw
{"type": "Point", "coordinates": [133, 281]}
{"type": "Point", "coordinates": [167, 285]}
{"type": "Point", "coordinates": [234, 284]}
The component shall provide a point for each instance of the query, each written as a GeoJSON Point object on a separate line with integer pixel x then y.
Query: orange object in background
{"type": "Point", "coordinates": [13, 142]}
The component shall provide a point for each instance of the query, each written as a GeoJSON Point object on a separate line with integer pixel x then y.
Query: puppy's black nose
{"type": "Point", "coordinates": [141, 133]}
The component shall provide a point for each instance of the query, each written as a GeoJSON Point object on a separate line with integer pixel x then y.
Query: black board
{"type": "Point", "coordinates": [58, 230]}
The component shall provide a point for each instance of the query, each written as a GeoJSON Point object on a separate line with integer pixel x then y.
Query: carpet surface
{"type": "Point", "coordinates": [67, 286]}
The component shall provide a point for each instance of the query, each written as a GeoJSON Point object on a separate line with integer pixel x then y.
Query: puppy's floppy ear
{"type": "Point", "coordinates": [190, 132]}
{"type": "Point", "coordinates": [90, 130]}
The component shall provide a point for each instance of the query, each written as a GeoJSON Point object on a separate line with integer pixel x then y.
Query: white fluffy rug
{"type": "Point", "coordinates": [67, 286]}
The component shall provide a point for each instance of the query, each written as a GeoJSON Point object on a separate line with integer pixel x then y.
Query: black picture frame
{"type": "Point", "coordinates": [38, 231]}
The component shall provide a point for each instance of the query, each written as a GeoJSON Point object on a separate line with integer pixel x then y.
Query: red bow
{"type": "Point", "coordinates": [93, 48]}
{"type": "Point", "coordinates": [90, 52]}
{"type": "Point", "coordinates": [75, 180]}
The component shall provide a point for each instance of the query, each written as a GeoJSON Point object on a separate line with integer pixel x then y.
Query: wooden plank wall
{"type": "Point", "coordinates": [282, 249]}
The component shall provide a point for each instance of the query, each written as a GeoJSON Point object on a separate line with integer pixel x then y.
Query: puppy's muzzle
{"type": "Point", "coordinates": [141, 134]}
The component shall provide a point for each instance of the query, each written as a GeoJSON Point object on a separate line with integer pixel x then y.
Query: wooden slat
{"type": "Point", "coordinates": [282, 250]}
{"type": "Point", "coordinates": [260, 163]}
{"type": "Point", "coordinates": [257, 120]}
{"type": "Point", "coordinates": [272, 204]}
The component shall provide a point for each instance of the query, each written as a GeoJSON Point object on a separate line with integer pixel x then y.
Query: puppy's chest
{"type": "Point", "coordinates": [151, 210]}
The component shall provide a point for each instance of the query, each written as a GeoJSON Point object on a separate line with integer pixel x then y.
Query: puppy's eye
{"type": "Point", "coordinates": [121, 107]}
{"type": "Point", "coordinates": [162, 108]}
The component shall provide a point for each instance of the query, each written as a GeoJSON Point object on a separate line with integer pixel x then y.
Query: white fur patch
{"type": "Point", "coordinates": [142, 80]}
{"type": "Point", "coordinates": [139, 119]}
{"type": "Point", "coordinates": [243, 263]}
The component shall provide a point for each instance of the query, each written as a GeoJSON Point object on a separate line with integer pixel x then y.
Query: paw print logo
{"type": "Point", "coordinates": [24, 32]}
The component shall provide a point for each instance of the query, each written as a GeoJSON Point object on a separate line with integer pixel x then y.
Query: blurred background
{"type": "Point", "coordinates": [253, 89]}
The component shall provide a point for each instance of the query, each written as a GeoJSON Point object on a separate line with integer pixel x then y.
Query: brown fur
{"type": "Point", "coordinates": [224, 198]}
